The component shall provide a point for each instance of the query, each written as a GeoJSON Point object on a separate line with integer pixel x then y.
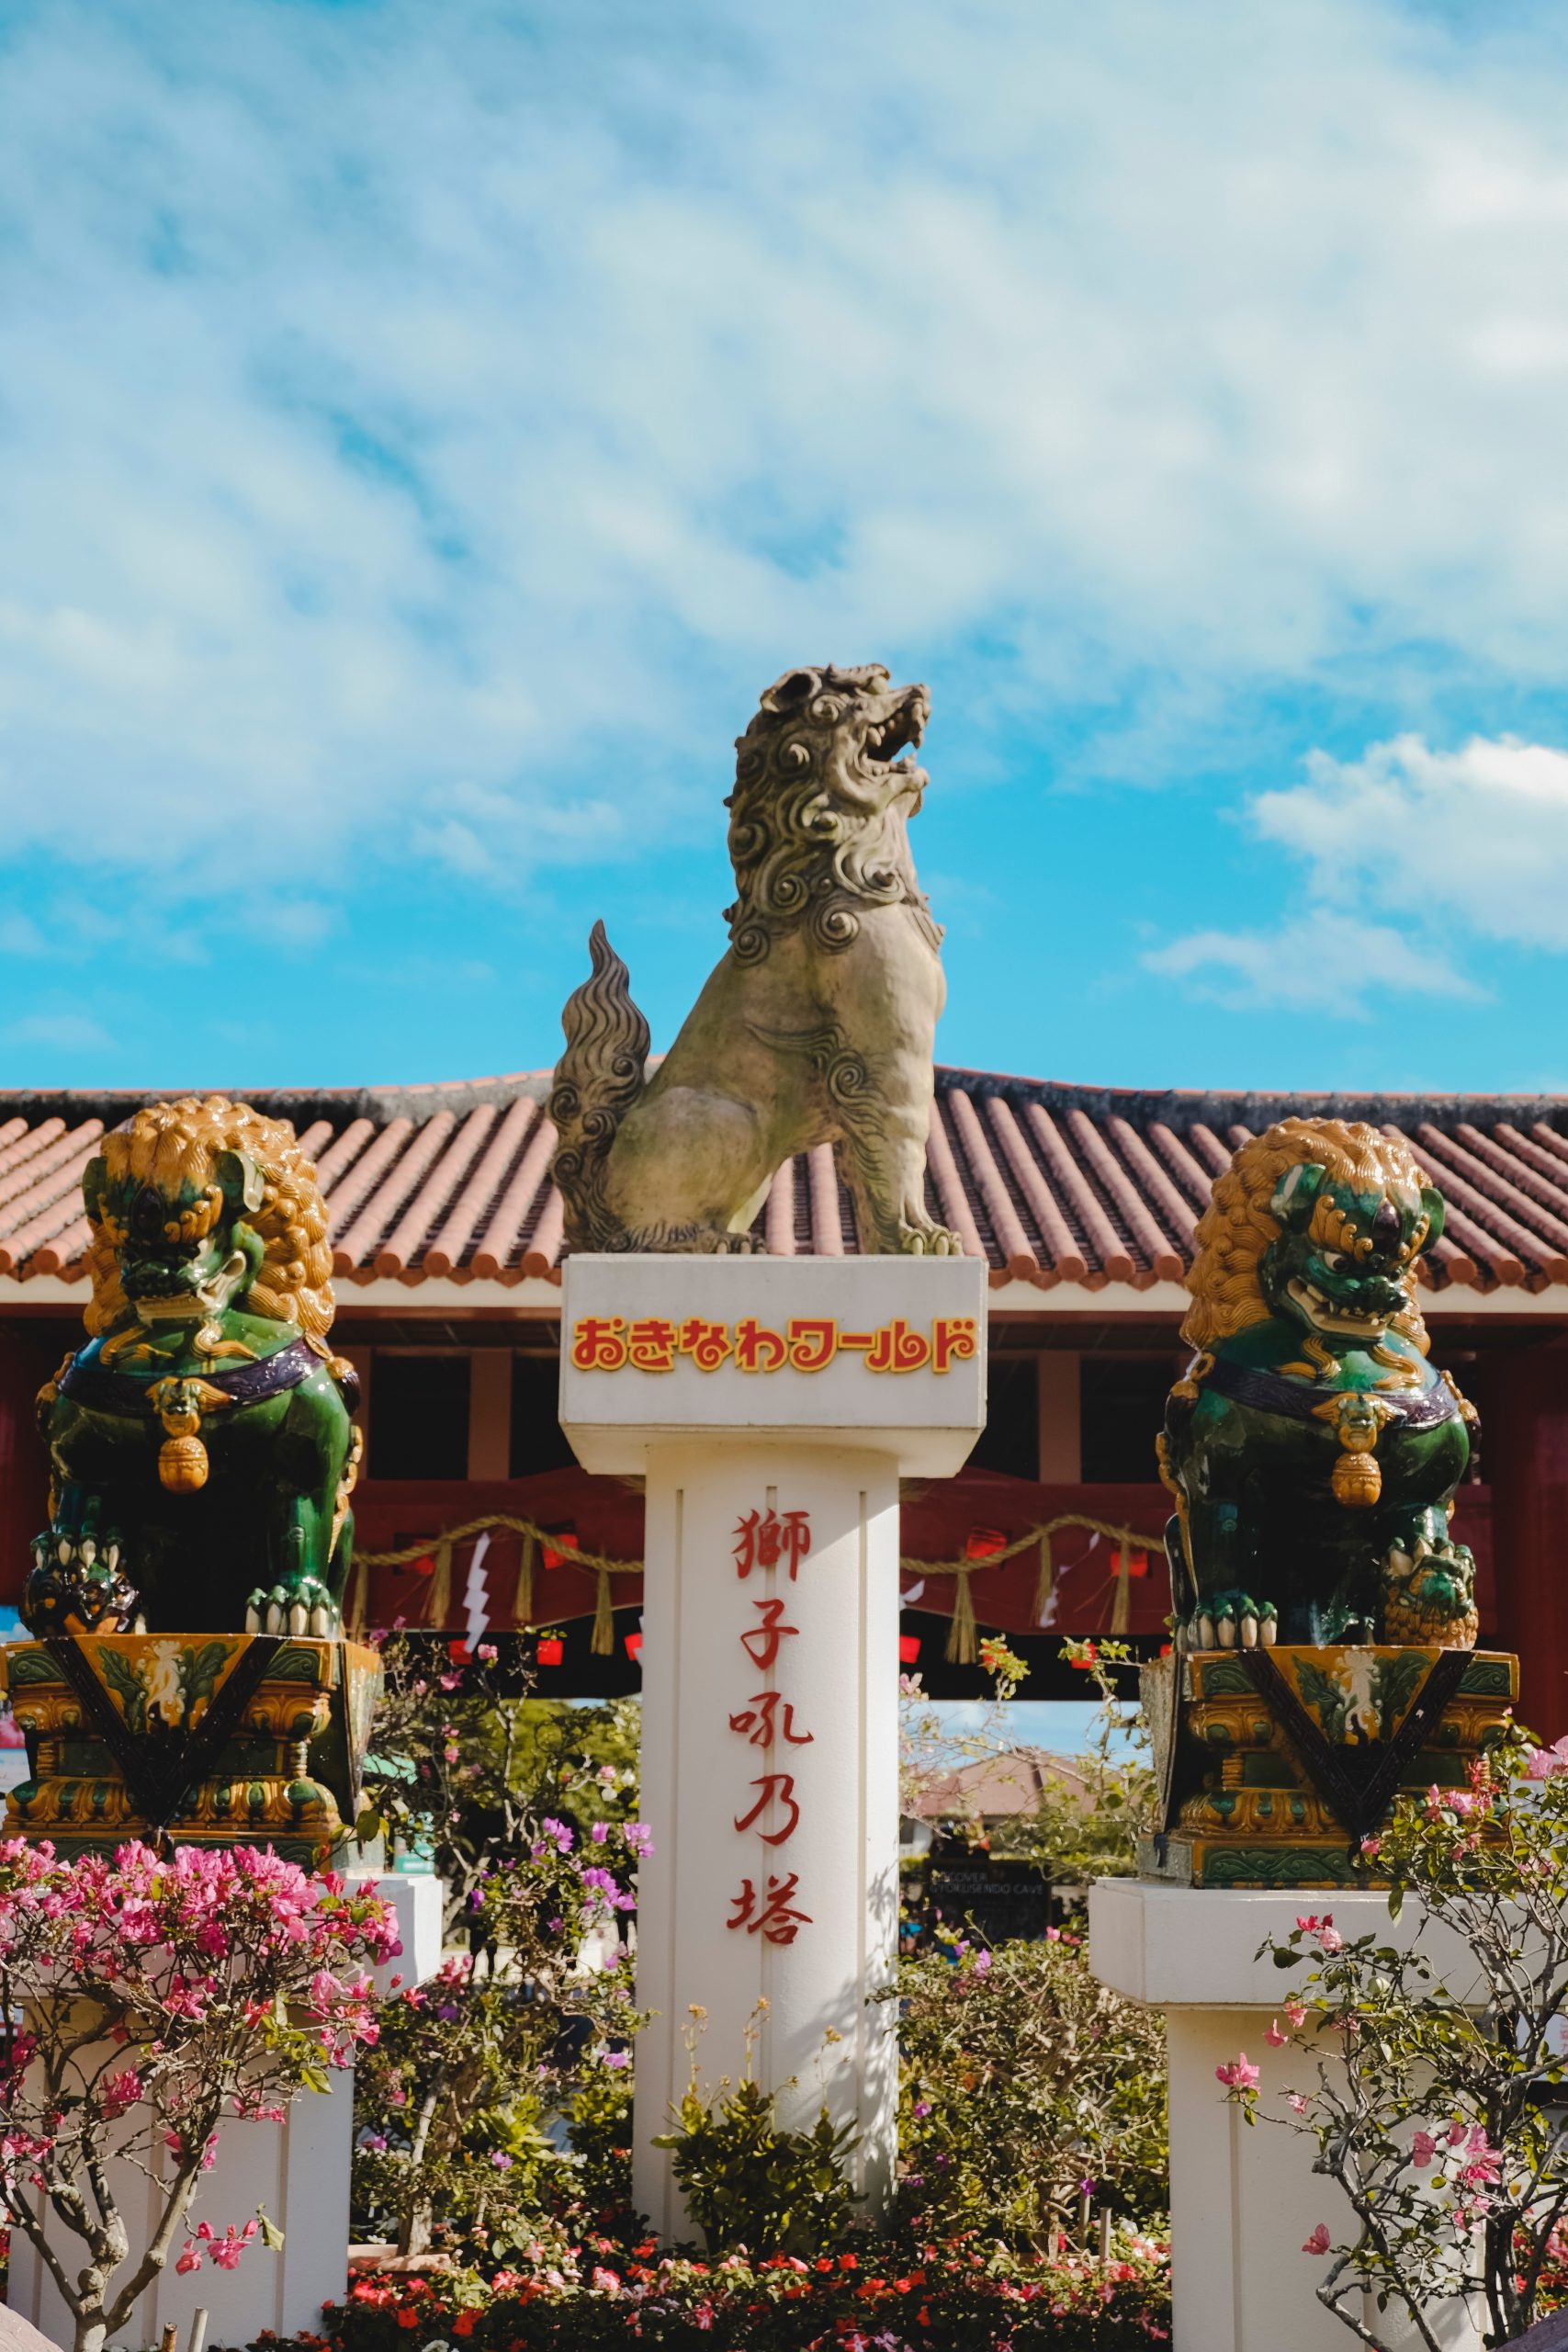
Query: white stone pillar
{"type": "Point", "coordinates": [1244, 2200]}
{"type": "Point", "coordinates": [772, 1405]}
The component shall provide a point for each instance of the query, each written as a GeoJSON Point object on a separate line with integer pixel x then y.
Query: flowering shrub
{"type": "Point", "coordinates": [472, 2067]}
{"type": "Point", "coordinates": [1440, 2110]}
{"type": "Point", "coordinates": [883, 2296]}
{"type": "Point", "coordinates": [461, 1768]}
{"type": "Point", "coordinates": [1027, 2089]}
{"type": "Point", "coordinates": [159, 1996]}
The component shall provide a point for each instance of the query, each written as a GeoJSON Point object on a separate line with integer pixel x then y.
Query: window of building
{"type": "Point", "coordinates": [419, 1417]}
{"type": "Point", "coordinates": [1010, 1440]}
{"type": "Point", "coordinates": [537, 1440]}
{"type": "Point", "coordinates": [1121, 1403]}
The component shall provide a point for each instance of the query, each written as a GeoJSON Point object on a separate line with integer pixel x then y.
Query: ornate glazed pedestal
{"type": "Point", "coordinates": [1276, 1762]}
{"type": "Point", "coordinates": [216, 1738]}
{"type": "Point", "coordinates": [1242, 2202]}
{"type": "Point", "coordinates": [772, 1405]}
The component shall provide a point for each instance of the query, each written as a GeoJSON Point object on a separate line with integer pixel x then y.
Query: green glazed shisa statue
{"type": "Point", "coordinates": [189, 1681]}
{"type": "Point", "coordinates": [1324, 1617]}
{"type": "Point", "coordinates": [1312, 1450]}
{"type": "Point", "coordinates": [201, 1442]}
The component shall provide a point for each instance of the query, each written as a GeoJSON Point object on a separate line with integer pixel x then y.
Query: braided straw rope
{"type": "Point", "coordinates": [962, 1646]}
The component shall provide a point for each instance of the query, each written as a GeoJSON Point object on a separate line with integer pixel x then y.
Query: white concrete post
{"type": "Point", "coordinates": [1243, 2201]}
{"type": "Point", "coordinates": [772, 1405]}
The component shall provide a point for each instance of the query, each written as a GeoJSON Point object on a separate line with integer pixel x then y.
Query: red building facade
{"type": "Point", "coordinates": [447, 1238]}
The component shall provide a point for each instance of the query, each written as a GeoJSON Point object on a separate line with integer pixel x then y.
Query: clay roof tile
{"type": "Point", "coordinates": [955, 1208]}
{"type": "Point", "coordinates": [511, 1211]}
{"type": "Point", "coordinates": [1052, 1183]}
{"type": "Point", "coordinates": [401, 1244]}
{"type": "Point", "coordinates": [1078, 1198]}
{"type": "Point", "coordinates": [447, 1248]}
{"type": "Point", "coordinates": [1018, 1255]}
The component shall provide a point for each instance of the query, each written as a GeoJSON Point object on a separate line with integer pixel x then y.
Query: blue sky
{"type": "Point", "coordinates": [425, 431]}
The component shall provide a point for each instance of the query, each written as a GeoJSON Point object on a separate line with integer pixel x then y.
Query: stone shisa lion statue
{"type": "Point", "coordinates": [816, 1027]}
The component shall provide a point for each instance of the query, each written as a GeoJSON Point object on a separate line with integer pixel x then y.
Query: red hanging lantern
{"type": "Point", "coordinates": [909, 1650]}
{"type": "Point", "coordinates": [634, 1646]}
{"type": "Point", "coordinates": [983, 1543]}
{"type": "Point", "coordinates": [551, 1650]}
{"type": "Point", "coordinates": [559, 1545]}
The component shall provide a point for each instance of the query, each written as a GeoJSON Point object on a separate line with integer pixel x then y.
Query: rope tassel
{"type": "Point", "coordinates": [604, 1642]}
{"type": "Point", "coordinates": [963, 1649]}
{"type": "Point", "coordinates": [1045, 1582]}
{"type": "Point", "coordinates": [441, 1586]}
{"type": "Point", "coordinates": [1122, 1611]}
{"type": "Point", "coordinates": [523, 1596]}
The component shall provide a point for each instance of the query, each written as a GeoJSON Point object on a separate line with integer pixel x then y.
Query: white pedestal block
{"type": "Point", "coordinates": [1243, 2201]}
{"type": "Point", "coordinates": [298, 2169]}
{"type": "Point", "coordinates": [769, 1651]}
{"type": "Point", "coordinates": [418, 1898]}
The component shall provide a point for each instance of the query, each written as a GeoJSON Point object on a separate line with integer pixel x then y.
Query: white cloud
{"type": "Point", "coordinates": [1319, 961]}
{"type": "Point", "coordinates": [1479, 836]}
{"type": "Point", "coordinates": [409, 412]}
{"type": "Point", "coordinates": [61, 1033]}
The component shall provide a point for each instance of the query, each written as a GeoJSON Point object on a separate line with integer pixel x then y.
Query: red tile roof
{"type": "Point", "coordinates": [1054, 1184]}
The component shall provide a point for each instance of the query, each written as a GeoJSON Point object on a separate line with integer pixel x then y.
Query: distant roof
{"type": "Point", "coordinates": [1008, 1783]}
{"type": "Point", "coordinates": [1054, 1184]}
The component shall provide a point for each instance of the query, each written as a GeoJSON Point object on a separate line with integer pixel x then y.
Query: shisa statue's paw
{"type": "Point", "coordinates": [1429, 1592]}
{"type": "Point", "coordinates": [1231, 1620]}
{"type": "Point", "coordinates": [79, 1586]}
{"type": "Point", "coordinates": [928, 1240]}
{"type": "Point", "coordinates": [300, 1607]}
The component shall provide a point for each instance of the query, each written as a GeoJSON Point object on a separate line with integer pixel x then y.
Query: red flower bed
{"type": "Point", "coordinates": [885, 2297]}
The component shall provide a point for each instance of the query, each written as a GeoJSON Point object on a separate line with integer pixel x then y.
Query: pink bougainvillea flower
{"type": "Point", "coordinates": [1273, 2037]}
{"type": "Point", "coordinates": [1319, 2242]}
{"type": "Point", "coordinates": [1239, 2074]}
{"type": "Point", "coordinates": [1423, 2148]}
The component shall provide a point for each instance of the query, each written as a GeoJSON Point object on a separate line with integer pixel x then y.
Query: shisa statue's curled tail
{"type": "Point", "coordinates": [599, 1076]}
{"type": "Point", "coordinates": [816, 1027]}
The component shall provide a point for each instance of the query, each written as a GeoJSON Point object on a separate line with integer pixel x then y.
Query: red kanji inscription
{"type": "Point", "coordinates": [763, 1644]}
{"type": "Point", "coordinates": [771, 1915]}
{"type": "Point", "coordinates": [767, 1716]}
{"type": "Point", "coordinates": [763, 1540]}
{"type": "Point", "coordinates": [773, 1784]}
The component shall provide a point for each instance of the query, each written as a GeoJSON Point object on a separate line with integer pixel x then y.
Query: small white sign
{"type": "Point", "coordinates": [885, 1352]}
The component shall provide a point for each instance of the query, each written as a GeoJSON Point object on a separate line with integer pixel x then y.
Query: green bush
{"type": "Point", "coordinates": [750, 2187]}
{"type": "Point", "coordinates": [1028, 2088]}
